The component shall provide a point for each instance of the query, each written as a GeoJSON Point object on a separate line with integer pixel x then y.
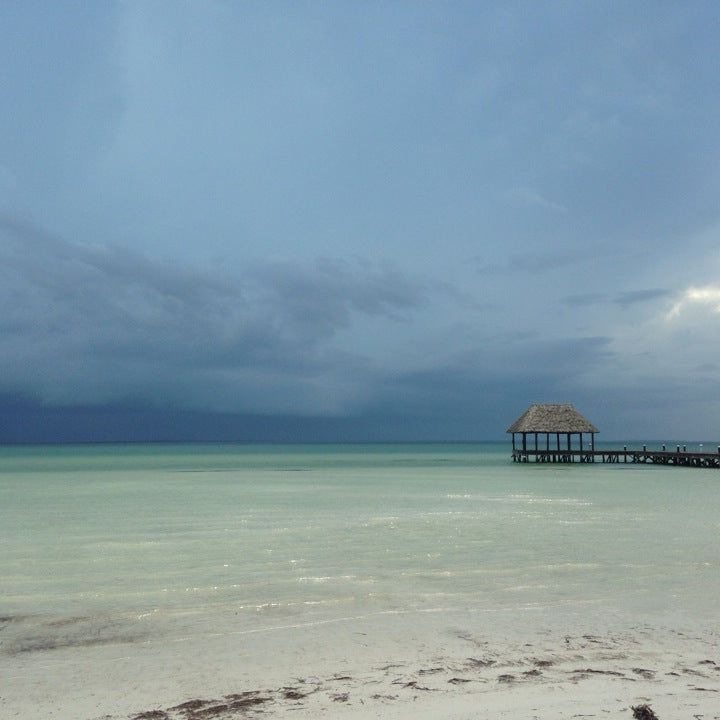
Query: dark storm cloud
{"type": "Point", "coordinates": [99, 323]}
{"type": "Point", "coordinates": [548, 169]}
{"type": "Point", "coordinates": [325, 297]}
{"type": "Point", "coordinates": [480, 386]}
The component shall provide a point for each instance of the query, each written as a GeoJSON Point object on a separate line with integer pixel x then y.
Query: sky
{"type": "Point", "coordinates": [357, 221]}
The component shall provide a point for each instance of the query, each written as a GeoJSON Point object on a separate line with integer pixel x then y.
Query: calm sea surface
{"type": "Point", "coordinates": [195, 535]}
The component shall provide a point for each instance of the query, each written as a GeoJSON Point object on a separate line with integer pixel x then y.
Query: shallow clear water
{"type": "Point", "coordinates": [197, 534]}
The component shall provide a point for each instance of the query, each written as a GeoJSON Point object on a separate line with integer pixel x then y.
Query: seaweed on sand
{"type": "Point", "coordinates": [643, 712]}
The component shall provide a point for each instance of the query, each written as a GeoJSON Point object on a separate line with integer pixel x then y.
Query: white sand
{"type": "Point", "coordinates": [423, 665]}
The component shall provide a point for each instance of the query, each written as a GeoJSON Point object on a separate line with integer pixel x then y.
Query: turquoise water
{"type": "Point", "coordinates": [204, 534]}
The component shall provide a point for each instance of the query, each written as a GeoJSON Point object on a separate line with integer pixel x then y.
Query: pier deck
{"type": "Point", "coordinates": [654, 457]}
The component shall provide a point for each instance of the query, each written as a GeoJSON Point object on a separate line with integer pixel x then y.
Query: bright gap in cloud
{"type": "Point", "coordinates": [708, 295]}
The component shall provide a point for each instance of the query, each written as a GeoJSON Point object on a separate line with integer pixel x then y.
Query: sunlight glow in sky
{"type": "Point", "coordinates": [709, 296]}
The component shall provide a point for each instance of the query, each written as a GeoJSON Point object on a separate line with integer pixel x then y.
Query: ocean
{"type": "Point", "coordinates": [134, 550]}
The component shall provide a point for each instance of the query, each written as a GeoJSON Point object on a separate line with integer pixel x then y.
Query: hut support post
{"type": "Point", "coordinates": [524, 442]}
{"type": "Point", "coordinates": [513, 435]}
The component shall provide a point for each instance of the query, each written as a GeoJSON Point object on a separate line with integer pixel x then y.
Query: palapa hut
{"type": "Point", "coordinates": [552, 419]}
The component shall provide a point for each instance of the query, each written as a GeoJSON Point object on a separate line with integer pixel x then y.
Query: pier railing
{"type": "Point", "coordinates": [679, 457]}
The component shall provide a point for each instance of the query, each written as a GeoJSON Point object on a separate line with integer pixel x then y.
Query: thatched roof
{"type": "Point", "coordinates": [552, 419]}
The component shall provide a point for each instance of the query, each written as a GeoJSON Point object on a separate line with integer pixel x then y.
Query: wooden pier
{"type": "Point", "coordinates": [564, 428]}
{"type": "Point", "coordinates": [645, 456]}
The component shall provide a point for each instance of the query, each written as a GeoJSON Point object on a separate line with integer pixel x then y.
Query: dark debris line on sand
{"type": "Point", "coordinates": [440, 677]}
{"type": "Point", "coordinates": [206, 709]}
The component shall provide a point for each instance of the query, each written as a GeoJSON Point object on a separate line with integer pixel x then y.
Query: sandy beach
{"type": "Point", "coordinates": [421, 665]}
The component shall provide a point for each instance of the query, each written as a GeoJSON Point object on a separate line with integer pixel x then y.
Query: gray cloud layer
{"type": "Point", "coordinates": [92, 324]}
{"type": "Point", "coordinates": [395, 215]}
{"type": "Point", "coordinates": [623, 299]}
